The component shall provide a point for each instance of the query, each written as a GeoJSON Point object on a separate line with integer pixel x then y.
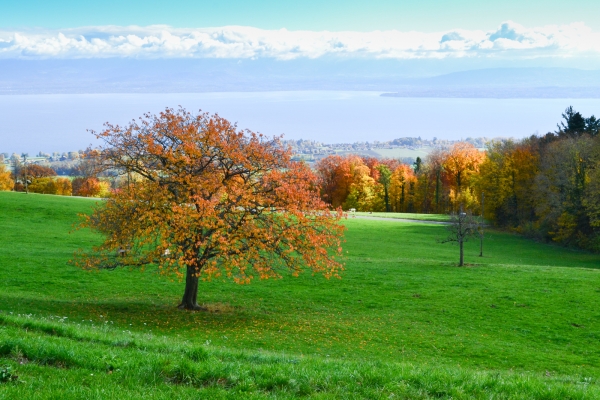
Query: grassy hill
{"type": "Point", "coordinates": [521, 322]}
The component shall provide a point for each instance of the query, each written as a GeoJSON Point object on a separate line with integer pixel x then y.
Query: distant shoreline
{"type": "Point", "coordinates": [492, 92]}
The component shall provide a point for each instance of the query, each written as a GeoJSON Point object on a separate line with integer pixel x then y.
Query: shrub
{"type": "Point", "coordinates": [6, 374]}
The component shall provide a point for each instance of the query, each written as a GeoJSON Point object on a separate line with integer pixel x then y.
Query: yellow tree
{"type": "Point", "coordinates": [6, 183]}
{"type": "Point", "coordinates": [400, 187]}
{"type": "Point", "coordinates": [210, 201]}
{"type": "Point", "coordinates": [362, 187]}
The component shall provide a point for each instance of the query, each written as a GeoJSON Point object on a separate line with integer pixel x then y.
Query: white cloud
{"type": "Point", "coordinates": [510, 40]}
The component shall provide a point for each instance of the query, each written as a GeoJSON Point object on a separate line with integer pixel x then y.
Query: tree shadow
{"type": "Point", "coordinates": [128, 313]}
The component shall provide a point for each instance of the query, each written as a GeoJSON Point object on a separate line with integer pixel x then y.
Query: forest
{"type": "Point", "coordinates": [546, 187]}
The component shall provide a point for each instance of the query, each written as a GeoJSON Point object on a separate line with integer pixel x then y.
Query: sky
{"type": "Point", "coordinates": [51, 47]}
{"type": "Point", "coordinates": [286, 30]}
{"type": "Point", "coordinates": [338, 15]}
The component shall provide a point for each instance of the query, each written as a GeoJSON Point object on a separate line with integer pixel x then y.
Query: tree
{"type": "Point", "coordinates": [361, 195]}
{"type": "Point", "coordinates": [35, 171]}
{"type": "Point", "coordinates": [576, 124]}
{"type": "Point", "coordinates": [507, 176]}
{"type": "Point", "coordinates": [461, 163]}
{"type": "Point", "coordinates": [385, 179]}
{"type": "Point", "coordinates": [211, 201]}
{"type": "Point", "coordinates": [39, 178]}
{"type": "Point", "coordinates": [87, 165]}
{"type": "Point", "coordinates": [401, 180]}
{"type": "Point", "coordinates": [90, 187]}
{"type": "Point", "coordinates": [592, 126]}
{"type": "Point", "coordinates": [6, 183]}
{"type": "Point", "coordinates": [435, 162]}
{"type": "Point", "coordinates": [462, 226]}
{"type": "Point", "coordinates": [59, 186]}
{"type": "Point", "coordinates": [418, 165]}
{"type": "Point", "coordinates": [334, 179]}
{"type": "Point", "coordinates": [560, 191]}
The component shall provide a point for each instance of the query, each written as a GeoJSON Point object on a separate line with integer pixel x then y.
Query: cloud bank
{"type": "Point", "coordinates": [510, 40]}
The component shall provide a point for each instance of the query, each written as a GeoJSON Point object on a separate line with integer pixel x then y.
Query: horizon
{"type": "Point", "coordinates": [61, 121]}
{"type": "Point", "coordinates": [428, 50]}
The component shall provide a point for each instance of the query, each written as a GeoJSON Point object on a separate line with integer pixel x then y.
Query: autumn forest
{"type": "Point", "coordinates": [546, 187]}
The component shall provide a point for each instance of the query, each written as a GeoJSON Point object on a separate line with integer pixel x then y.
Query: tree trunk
{"type": "Point", "coordinates": [402, 199]}
{"type": "Point", "coordinates": [437, 191]}
{"type": "Point", "coordinates": [462, 255]}
{"type": "Point", "coordinates": [190, 295]}
{"type": "Point", "coordinates": [387, 199]}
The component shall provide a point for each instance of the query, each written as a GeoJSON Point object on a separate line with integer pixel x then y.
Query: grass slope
{"type": "Point", "coordinates": [62, 360]}
{"type": "Point", "coordinates": [525, 307]}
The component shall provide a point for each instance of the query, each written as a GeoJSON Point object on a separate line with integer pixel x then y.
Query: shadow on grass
{"type": "Point", "coordinates": [136, 314]}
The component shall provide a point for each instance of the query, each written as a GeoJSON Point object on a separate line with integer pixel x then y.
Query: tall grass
{"type": "Point", "coordinates": [57, 359]}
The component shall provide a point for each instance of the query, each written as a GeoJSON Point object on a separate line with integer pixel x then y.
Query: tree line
{"type": "Point", "coordinates": [42, 179]}
{"type": "Point", "coordinates": [436, 184]}
{"type": "Point", "coordinates": [547, 187]}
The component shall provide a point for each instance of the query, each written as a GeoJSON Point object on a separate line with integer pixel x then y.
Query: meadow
{"type": "Point", "coordinates": [403, 322]}
{"type": "Point", "coordinates": [408, 216]}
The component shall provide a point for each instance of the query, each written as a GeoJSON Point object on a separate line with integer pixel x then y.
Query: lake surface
{"type": "Point", "coordinates": [33, 123]}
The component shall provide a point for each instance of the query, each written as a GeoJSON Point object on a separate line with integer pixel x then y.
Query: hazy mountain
{"type": "Point", "coordinates": [516, 77]}
{"type": "Point", "coordinates": [118, 75]}
{"type": "Point", "coordinates": [125, 75]}
{"type": "Point", "coordinates": [506, 83]}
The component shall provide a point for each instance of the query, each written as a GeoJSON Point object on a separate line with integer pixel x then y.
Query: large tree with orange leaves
{"type": "Point", "coordinates": [210, 200]}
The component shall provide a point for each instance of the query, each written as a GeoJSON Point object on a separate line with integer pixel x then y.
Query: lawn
{"type": "Point", "coordinates": [413, 216]}
{"type": "Point", "coordinates": [524, 308]}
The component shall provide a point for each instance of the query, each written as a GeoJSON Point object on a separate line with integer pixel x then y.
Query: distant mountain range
{"type": "Point", "coordinates": [120, 75]}
{"type": "Point", "coordinates": [506, 83]}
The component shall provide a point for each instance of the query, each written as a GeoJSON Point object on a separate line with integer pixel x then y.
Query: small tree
{"type": "Point", "coordinates": [462, 226]}
{"type": "Point", "coordinates": [210, 201]}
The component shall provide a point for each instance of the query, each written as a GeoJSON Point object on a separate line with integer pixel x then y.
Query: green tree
{"type": "Point", "coordinates": [560, 188]}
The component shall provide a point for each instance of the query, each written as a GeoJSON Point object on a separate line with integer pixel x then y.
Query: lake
{"type": "Point", "coordinates": [58, 122]}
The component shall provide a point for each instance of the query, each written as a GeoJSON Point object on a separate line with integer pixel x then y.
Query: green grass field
{"type": "Point", "coordinates": [521, 322]}
{"type": "Point", "coordinates": [414, 216]}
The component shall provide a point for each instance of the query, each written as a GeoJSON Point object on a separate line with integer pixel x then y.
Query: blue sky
{"type": "Point", "coordinates": [259, 42]}
{"type": "Point", "coordinates": [453, 35]}
{"type": "Point", "coordinates": [354, 15]}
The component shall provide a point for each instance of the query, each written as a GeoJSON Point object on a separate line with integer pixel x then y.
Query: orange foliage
{"type": "Point", "coordinates": [63, 186]}
{"type": "Point", "coordinates": [37, 171]}
{"type": "Point", "coordinates": [210, 201]}
{"type": "Point", "coordinates": [337, 174]}
{"type": "Point", "coordinates": [90, 187]}
{"type": "Point", "coordinates": [460, 163]}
